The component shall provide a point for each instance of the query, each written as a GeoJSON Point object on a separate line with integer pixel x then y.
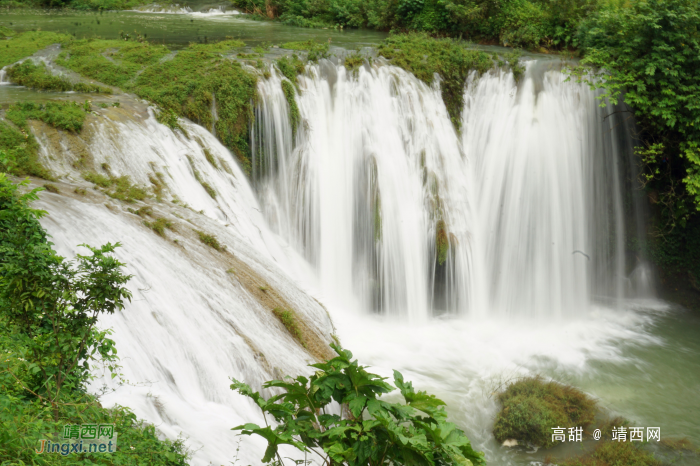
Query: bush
{"type": "Point", "coordinates": [68, 116]}
{"type": "Point", "coordinates": [48, 311]}
{"type": "Point", "coordinates": [532, 407]}
{"type": "Point", "coordinates": [368, 430]}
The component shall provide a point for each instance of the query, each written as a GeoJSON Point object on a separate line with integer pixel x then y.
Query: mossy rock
{"type": "Point", "coordinates": [532, 407]}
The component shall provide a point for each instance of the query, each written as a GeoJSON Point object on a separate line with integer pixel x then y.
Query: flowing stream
{"type": "Point", "coordinates": [462, 257]}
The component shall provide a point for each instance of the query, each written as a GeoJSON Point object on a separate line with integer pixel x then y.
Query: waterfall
{"type": "Point", "coordinates": [519, 213]}
{"type": "Point", "coordinates": [376, 204]}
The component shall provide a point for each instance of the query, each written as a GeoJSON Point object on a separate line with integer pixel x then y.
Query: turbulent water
{"type": "Point", "coordinates": [461, 257]}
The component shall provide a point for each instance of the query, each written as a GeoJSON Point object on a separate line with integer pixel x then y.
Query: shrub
{"type": "Point", "coordinates": [368, 430]}
{"type": "Point", "coordinates": [532, 407]}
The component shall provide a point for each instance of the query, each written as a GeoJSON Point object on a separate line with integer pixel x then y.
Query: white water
{"type": "Point", "coordinates": [191, 325]}
{"type": "Point", "coordinates": [531, 178]}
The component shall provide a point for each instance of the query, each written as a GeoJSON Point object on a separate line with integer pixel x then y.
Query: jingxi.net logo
{"type": "Point", "coordinates": [86, 438]}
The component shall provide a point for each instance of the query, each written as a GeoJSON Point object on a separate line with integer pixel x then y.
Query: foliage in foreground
{"type": "Point", "coordinates": [368, 430]}
{"type": "Point", "coordinates": [50, 343]}
{"type": "Point", "coordinates": [532, 407]}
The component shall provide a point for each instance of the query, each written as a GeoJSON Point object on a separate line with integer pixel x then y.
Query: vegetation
{"type": "Point", "coordinates": [442, 243]}
{"type": "Point", "coordinates": [67, 116]}
{"type": "Point", "coordinates": [38, 77]}
{"type": "Point", "coordinates": [25, 44]}
{"type": "Point", "coordinates": [369, 430]}
{"type": "Point", "coordinates": [119, 188]}
{"type": "Point", "coordinates": [49, 340]}
{"type": "Point", "coordinates": [649, 53]}
{"type": "Point", "coordinates": [210, 240]}
{"type": "Point", "coordinates": [425, 57]}
{"type": "Point", "coordinates": [290, 95]}
{"type": "Point", "coordinates": [289, 321]}
{"type": "Point", "coordinates": [158, 225]}
{"type": "Point", "coordinates": [613, 453]}
{"type": "Point", "coordinates": [316, 50]}
{"type": "Point", "coordinates": [531, 407]}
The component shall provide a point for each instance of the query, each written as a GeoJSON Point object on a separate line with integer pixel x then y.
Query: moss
{"type": "Point", "coordinates": [159, 225]}
{"type": "Point", "coordinates": [37, 77]}
{"type": "Point", "coordinates": [532, 407]}
{"type": "Point", "coordinates": [112, 62]}
{"type": "Point", "coordinates": [442, 243]}
{"type": "Point", "coordinates": [288, 319]}
{"type": "Point", "coordinates": [80, 191]}
{"type": "Point", "coordinates": [451, 60]}
{"type": "Point", "coordinates": [142, 212]}
{"type": "Point", "coordinates": [198, 176]}
{"type": "Point", "coordinates": [98, 179]}
{"type": "Point", "coordinates": [316, 50]}
{"type": "Point", "coordinates": [27, 43]}
{"type": "Point", "coordinates": [353, 62]}
{"type": "Point", "coordinates": [62, 115]}
{"type": "Point", "coordinates": [294, 115]}
{"type": "Point", "coordinates": [614, 454]}
{"type": "Point", "coordinates": [210, 240]}
{"type": "Point", "coordinates": [158, 181]}
{"type": "Point", "coordinates": [210, 158]}
{"type": "Point", "coordinates": [513, 60]}
{"type": "Point", "coordinates": [51, 188]}
{"type": "Point", "coordinates": [168, 118]}
{"type": "Point", "coordinates": [119, 188]}
{"type": "Point", "coordinates": [290, 67]}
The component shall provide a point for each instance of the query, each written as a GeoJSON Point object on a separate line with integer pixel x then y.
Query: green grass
{"type": "Point", "coordinates": [210, 240]}
{"type": "Point", "coordinates": [67, 116]}
{"type": "Point", "coordinates": [424, 56]}
{"type": "Point", "coordinates": [26, 44]}
{"type": "Point", "coordinates": [289, 320]}
{"type": "Point", "coordinates": [532, 407]}
{"type": "Point", "coordinates": [51, 188]}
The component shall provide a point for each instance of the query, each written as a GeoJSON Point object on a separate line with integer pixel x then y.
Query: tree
{"type": "Point", "coordinates": [649, 56]}
{"type": "Point", "coordinates": [49, 306]}
{"type": "Point", "coordinates": [368, 430]}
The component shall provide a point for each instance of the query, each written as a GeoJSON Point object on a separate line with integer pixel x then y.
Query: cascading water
{"type": "Point", "coordinates": [519, 213]}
